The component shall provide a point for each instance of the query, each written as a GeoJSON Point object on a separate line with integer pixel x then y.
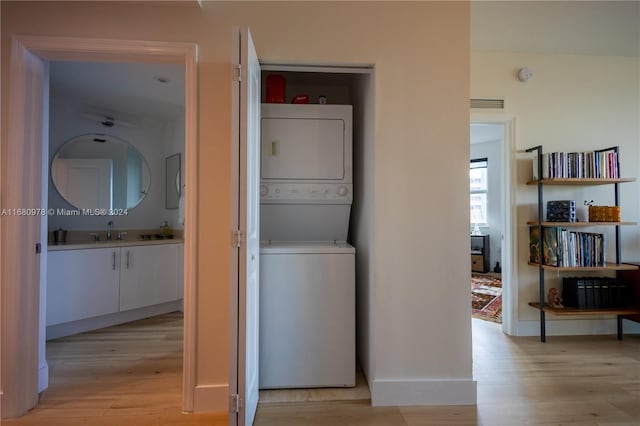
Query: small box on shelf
{"type": "Point", "coordinates": [604, 213]}
{"type": "Point", "coordinates": [561, 211]}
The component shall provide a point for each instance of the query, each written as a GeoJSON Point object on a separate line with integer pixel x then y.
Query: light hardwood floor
{"type": "Point", "coordinates": [131, 375]}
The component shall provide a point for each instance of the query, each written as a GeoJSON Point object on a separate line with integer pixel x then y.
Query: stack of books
{"type": "Point", "coordinates": [564, 248]}
{"type": "Point", "coordinates": [581, 165]}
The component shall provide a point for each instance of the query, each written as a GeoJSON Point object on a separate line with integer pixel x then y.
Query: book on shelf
{"type": "Point", "coordinates": [579, 165]}
{"type": "Point", "coordinates": [550, 252]}
{"type": "Point", "coordinates": [566, 248]}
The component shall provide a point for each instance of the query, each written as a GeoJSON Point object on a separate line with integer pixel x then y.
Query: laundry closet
{"type": "Point", "coordinates": [316, 203]}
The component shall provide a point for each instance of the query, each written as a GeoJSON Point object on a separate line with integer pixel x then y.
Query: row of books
{"type": "Point", "coordinates": [565, 248]}
{"type": "Point", "coordinates": [583, 165]}
{"type": "Point", "coordinates": [594, 293]}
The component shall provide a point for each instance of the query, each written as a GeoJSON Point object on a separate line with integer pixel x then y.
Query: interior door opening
{"type": "Point", "coordinates": [31, 51]}
{"type": "Point", "coordinates": [324, 86]}
{"type": "Point", "coordinates": [494, 291]}
{"type": "Point", "coordinates": [112, 115]}
{"type": "Point", "coordinates": [321, 84]}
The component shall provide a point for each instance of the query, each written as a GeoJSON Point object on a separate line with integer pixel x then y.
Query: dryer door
{"type": "Point", "coordinates": [303, 148]}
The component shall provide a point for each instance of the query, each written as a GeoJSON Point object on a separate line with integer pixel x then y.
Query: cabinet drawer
{"type": "Point", "coordinates": [477, 263]}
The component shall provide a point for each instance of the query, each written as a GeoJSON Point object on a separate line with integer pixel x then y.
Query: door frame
{"type": "Point", "coordinates": [509, 228]}
{"type": "Point", "coordinates": [44, 48]}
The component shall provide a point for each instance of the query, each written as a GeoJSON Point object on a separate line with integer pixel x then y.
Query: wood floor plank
{"type": "Point", "coordinates": [131, 375]}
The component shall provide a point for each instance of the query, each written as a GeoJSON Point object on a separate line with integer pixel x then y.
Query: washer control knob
{"type": "Point", "coordinates": [342, 191]}
{"type": "Point", "coordinates": [263, 190]}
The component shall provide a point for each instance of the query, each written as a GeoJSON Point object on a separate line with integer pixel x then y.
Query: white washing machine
{"type": "Point", "coordinates": [307, 270]}
{"type": "Point", "coordinates": [307, 315]}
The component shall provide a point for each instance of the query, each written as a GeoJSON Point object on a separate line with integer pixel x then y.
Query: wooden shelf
{"type": "Point", "coordinates": [575, 311]}
{"type": "Point", "coordinates": [580, 224]}
{"type": "Point", "coordinates": [580, 181]}
{"type": "Point", "coordinates": [608, 267]}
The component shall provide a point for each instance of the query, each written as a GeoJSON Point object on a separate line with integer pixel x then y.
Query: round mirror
{"type": "Point", "coordinates": [97, 171]}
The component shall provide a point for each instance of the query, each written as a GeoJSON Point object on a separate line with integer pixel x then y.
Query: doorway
{"type": "Point", "coordinates": [128, 118]}
{"type": "Point", "coordinates": [493, 140]}
{"type": "Point", "coordinates": [29, 76]}
{"type": "Point", "coordinates": [244, 354]}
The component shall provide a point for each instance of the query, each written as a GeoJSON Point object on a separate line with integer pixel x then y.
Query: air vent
{"type": "Point", "coordinates": [487, 104]}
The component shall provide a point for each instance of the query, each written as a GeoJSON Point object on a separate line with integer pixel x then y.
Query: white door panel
{"type": "Point", "coordinates": [249, 220]}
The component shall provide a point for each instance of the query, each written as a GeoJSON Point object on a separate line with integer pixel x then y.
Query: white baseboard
{"type": "Point", "coordinates": [211, 399]}
{"type": "Point", "coordinates": [80, 326]}
{"type": "Point", "coordinates": [576, 327]}
{"type": "Point", "coordinates": [43, 377]}
{"type": "Point", "coordinates": [423, 392]}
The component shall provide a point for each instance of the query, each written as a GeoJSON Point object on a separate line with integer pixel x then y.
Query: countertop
{"type": "Point", "coordinates": [75, 245]}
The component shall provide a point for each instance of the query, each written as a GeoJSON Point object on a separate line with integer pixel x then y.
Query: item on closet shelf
{"type": "Point", "coordinates": [604, 213]}
{"type": "Point", "coordinates": [275, 89]}
{"type": "Point", "coordinates": [300, 99]}
{"type": "Point", "coordinates": [322, 100]}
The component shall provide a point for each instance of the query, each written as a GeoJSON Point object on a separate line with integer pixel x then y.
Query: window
{"type": "Point", "coordinates": [478, 190]}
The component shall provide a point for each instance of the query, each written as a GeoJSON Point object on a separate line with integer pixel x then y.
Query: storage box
{"type": "Point", "coordinates": [604, 213]}
{"type": "Point", "coordinates": [561, 211]}
{"type": "Point", "coordinates": [275, 89]}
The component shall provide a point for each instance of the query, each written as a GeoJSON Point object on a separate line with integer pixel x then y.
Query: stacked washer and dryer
{"type": "Point", "coordinates": [307, 268]}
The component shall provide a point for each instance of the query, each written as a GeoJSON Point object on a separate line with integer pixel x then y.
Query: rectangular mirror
{"type": "Point", "coordinates": [172, 181]}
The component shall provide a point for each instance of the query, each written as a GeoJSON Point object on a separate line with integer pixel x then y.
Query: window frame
{"type": "Point", "coordinates": [482, 163]}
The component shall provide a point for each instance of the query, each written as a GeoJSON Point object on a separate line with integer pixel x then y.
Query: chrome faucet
{"type": "Point", "coordinates": [109, 225]}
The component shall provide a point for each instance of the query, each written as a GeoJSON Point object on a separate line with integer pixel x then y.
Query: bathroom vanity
{"type": "Point", "coordinates": [98, 284]}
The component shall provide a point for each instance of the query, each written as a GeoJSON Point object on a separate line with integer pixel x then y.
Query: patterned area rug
{"type": "Point", "coordinates": [486, 297]}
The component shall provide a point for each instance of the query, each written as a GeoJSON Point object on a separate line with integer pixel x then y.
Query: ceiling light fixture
{"type": "Point", "coordinates": [161, 79]}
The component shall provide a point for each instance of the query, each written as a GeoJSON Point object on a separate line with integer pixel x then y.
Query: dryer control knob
{"type": "Point", "coordinates": [263, 190]}
{"type": "Point", "coordinates": [342, 191]}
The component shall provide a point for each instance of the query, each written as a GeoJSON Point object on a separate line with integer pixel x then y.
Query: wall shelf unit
{"type": "Point", "coordinates": [580, 224]}
{"type": "Point", "coordinates": [580, 181]}
{"type": "Point", "coordinates": [608, 266]}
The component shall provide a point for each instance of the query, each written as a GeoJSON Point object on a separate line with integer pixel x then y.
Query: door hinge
{"type": "Point", "coordinates": [237, 72]}
{"type": "Point", "coordinates": [236, 238]}
{"type": "Point", "coordinates": [235, 403]}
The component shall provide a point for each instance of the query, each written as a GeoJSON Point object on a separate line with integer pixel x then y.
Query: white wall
{"type": "Point", "coordinates": [572, 103]}
{"type": "Point", "coordinates": [420, 51]}
{"type": "Point", "coordinates": [361, 226]}
{"type": "Point", "coordinates": [492, 151]}
{"type": "Point", "coordinates": [150, 137]}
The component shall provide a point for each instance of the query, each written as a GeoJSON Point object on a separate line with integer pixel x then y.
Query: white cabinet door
{"type": "Point", "coordinates": [81, 284]}
{"type": "Point", "coordinates": [148, 275]}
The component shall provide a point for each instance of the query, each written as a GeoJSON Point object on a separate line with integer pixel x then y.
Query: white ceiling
{"type": "Point", "coordinates": [607, 28]}
{"type": "Point", "coordinates": [130, 88]}
{"type": "Point", "coordinates": [578, 27]}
